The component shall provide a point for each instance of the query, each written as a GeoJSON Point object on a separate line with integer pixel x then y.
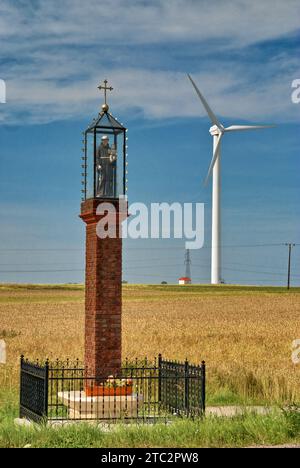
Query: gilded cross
{"type": "Point", "coordinates": [105, 88]}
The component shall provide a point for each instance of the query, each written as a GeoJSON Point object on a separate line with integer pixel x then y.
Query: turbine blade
{"type": "Point", "coordinates": [214, 158]}
{"type": "Point", "coordinates": [234, 128]}
{"type": "Point", "coordinates": [210, 113]}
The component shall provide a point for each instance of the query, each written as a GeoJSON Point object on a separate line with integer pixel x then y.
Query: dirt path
{"type": "Point", "coordinates": [230, 411]}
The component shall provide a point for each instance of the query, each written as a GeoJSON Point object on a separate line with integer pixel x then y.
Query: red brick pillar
{"type": "Point", "coordinates": [103, 293]}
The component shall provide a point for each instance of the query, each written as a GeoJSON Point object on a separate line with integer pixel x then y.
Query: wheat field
{"type": "Point", "coordinates": [244, 334]}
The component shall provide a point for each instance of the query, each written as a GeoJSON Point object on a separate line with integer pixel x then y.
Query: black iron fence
{"type": "Point", "coordinates": [144, 391]}
{"type": "Point", "coordinates": [34, 390]}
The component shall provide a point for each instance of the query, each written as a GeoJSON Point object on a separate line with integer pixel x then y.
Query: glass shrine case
{"type": "Point", "coordinates": [104, 158]}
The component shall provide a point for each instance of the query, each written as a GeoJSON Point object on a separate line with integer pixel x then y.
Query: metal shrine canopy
{"type": "Point", "coordinates": [105, 155]}
{"type": "Point", "coordinates": [105, 121]}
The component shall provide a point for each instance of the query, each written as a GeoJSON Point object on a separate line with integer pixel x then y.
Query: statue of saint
{"type": "Point", "coordinates": [106, 158]}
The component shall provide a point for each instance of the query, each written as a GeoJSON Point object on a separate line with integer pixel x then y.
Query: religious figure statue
{"type": "Point", "coordinates": [106, 158]}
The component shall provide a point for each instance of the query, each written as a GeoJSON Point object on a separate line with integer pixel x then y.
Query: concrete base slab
{"type": "Point", "coordinates": [85, 407]}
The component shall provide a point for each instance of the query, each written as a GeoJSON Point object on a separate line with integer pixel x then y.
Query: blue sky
{"type": "Point", "coordinates": [243, 57]}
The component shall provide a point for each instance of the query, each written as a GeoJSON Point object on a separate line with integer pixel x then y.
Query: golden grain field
{"type": "Point", "coordinates": [245, 336]}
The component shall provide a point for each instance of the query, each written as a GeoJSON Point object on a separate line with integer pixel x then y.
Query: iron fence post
{"type": "Point", "coordinates": [159, 377]}
{"type": "Point", "coordinates": [203, 389]}
{"type": "Point", "coordinates": [21, 369]}
{"type": "Point", "coordinates": [46, 384]}
{"type": "Point", "coordinates": [186, 386]}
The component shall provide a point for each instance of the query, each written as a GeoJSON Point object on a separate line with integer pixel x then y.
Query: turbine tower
{"type": "Point", "coordinates": [217, 131]}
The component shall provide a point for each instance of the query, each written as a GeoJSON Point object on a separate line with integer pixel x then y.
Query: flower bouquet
{"type": "Point", "coordinates": [111, 387]}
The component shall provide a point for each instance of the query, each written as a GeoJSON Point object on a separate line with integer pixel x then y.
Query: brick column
{"type": "Point", "coordinates": [103, 292]}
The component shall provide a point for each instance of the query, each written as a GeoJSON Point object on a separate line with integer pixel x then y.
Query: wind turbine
{"type": "Point", "coordinates": [217, 131]}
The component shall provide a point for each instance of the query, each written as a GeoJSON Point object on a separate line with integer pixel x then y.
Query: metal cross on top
{"type": "Point", "coordinates": [105, 88]}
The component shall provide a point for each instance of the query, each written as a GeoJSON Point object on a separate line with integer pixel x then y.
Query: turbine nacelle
{"type": "Point", "coordinates": [218, 129]}
{"type": "Point", "coordinates": [215, 130]}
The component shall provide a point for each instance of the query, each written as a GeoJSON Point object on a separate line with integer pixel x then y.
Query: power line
{"type": "Point", "coordinates": [231, 246]}
{"type": "Point", "coordinates": [255, 271]}
{"type": "Point", "coordinates": [40, 264]}
{"type": "Point", "coordinates": [130, 265]}
{"type": "Point", "coordinates": [269, 273]}
{"type": "Point", "coordinates": [39, 271]}
{"type": "Point", "coordinates": [278, 273]}
{"type": "Point", "coordinates": [126, 268]}
{"type": "Point", "coordinates": [42, 250]}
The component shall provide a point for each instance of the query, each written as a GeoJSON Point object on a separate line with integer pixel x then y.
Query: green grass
{"type": "Point", "coordinates": [278, 427]}
{"type": "Point", "coordinates": [40, 287]}
{"type": "Point", "coordinates": [246, 430]}
{"type": "Point", "coordinates": [227, 397]}
{"type": "Point", "coordinates": [45, 293]}
{"type": "Point", "coordinates": [209, 289]}
{"type": "Point", "coordinates": [53, 293]}
{"type": "Point", "coordinates": [169, 288]}
{"type": "Point", "coordinates": [149, 293]}
{"type": "Point", "coordinates": [39, 299]}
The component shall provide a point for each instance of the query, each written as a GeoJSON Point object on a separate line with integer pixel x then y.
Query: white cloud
{"type": "Point", "coordinates": [240, 22]}
{"type": "Point", "coordinates": [155, 94]}
{"type": "Point", "coordinates": [58, 50]}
